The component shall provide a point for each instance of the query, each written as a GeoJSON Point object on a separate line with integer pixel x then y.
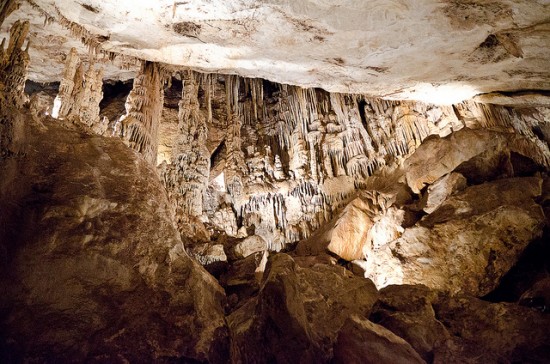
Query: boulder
{"type": "Point", "coordinates": [484, 332]}
{"type": "Point", "coordinates": [441, 189]}
{"type": "Point", "coordinates": [446, 328]}
{"type": "Point", "coordinates": [468, 243]}
{"type": "Point", "coordinates": [363, 342]}
{"type": "Point", "coordinates": [248, 246]}
{"type": "Point", "coordinates": [407, 311]}
{"type": "Point", "coordinates": [94, 268]}
{"type": "Point", "coordinates": [297, 313]}
{"type": "Point", "coordinates": [368, 220]}
{"type": "Point", "coordinates": [479, 154]}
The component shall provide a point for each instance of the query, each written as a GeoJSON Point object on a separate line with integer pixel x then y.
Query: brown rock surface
{"type": "Point", "coordinates": [459, 329]}
{"type": "Point", "coordinates": [248, 246]}
{"type": "Point", "coordinates": [361, 341]}
{"type": "Point", "coordinates": [369, 220]}
{"type": "Point", "coordinates": [492, 332]}
{"type": "Point", "coordinates": [93, 268]}
{"type": "Point", "coordinates": [481, 155]}
{"type": "Point", "coordinates": [298, 312]}
{"type": "Point", "coordinates": [438, 192]}
{"type": "Point", "coordinates": [484, 229]}
{"type": "Point", "coordinates": [407, 312]}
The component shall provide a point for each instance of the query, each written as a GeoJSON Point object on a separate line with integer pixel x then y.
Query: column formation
{"type": "Point", "coordinates": [80, 93]}
{"type": "Point", "coordinates": [143, 111]}
{"type": "Point", "coordinates": [191, 158]}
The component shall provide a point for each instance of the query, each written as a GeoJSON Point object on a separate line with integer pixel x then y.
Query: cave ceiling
{"type": "Point", "coordinates": [441, 51]}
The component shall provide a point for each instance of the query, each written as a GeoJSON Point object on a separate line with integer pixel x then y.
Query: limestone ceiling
{"type": "Point", "coordinates": [433, 50]}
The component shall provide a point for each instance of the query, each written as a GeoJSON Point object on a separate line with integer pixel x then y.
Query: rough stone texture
{"type": "Point", "coordinates": [186, 178]}
{"type": "Point", "coordinates": [52, 42]}
{"type": "Point", "coordinates": [407, 312]}
{"type": "Point", "coordinates": [93, 268]}
{"type": "Point", "coordinates": [485, 332]}
{"type": "Point", "coordinates": [460, 329]}
{"type": "Point", "coordinates": [80, 93]}
{"type": "Point", "coordinates": [250, 245]}
{"type": "Point", "coordinates": [438, 192]}
{"type": "Point", "coordinates": [297, 313]}
{"type": "Point", "coordinates": [143, 111]}
{"type": "Point", "coordinates": [440, 51]}
{"type": "Point", "coordinates": [484, 228]}
{"type": "Point", "coordinates": [361, 341]}
{"type": "Point", "coordinates": [437, 157]}
{"type": "Point", "coordinates": [372, 219]}
{"type": "Point", "coordinates": [13, 67]}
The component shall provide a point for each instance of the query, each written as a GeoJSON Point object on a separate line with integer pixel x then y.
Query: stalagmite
{"type": "Point", "coordinates": [80, 93]}
{"type": "Point", "coordinates": [6, 8]}
{"type": "Point", "coordinates": [143, 111]}
{"type": "Point", "coordinates": [187, 178]}
{"type": "Point", "coordinates": [13, 66]}
{"type": "Point", "coordinates": [13, 73]}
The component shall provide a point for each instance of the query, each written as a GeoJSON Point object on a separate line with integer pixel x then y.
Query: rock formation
{"type": "Point", "coordinates": [143, 111]}
{"type": "Point", "coordinates": [198, 215]}
{"type": "Point", "coordinates": [93, 265]}
{"type": "Point", "coordinates": [186, 178]}
{"type": "Point", "coordinates": [80, 93]}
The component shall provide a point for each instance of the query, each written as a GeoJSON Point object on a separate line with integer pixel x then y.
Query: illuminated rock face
{"type": "Point", "coordinates": [436, 51]}
{"type": "Point", "coordinates": [104, 222]}
{"type": "Point", "coordinates": [93, 264]}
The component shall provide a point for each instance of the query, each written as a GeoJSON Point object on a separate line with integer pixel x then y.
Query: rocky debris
{"type": "Point", "coordinates": [93, 266]}
{"type": "Point", "coordinates": [485, 228]}
{"type": "Point", "coordinates": [242, 279]}
{"type": "Point", "coordinates": [438, 192]}
{"type": "Point", "coordinates": [250, 245]}
{"type": "Point", "coordinates": [143, 111]}
{"type": "Point", "coordinates": [297, 313]}
{"type": "Point", "coordinates": [444, 328]}
{"type": "Point", "coordinates": [361, 341]}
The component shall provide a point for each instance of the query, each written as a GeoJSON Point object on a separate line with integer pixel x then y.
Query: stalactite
{"type": "Point", "coordinates": [80, 93]}
{"type": "Point", "coordinates": [235, 164]}
{"type": "Point", "coordinates": [190, 165]}
{"type": "Point", "coordinates": [143, 111]}
{"type": "Point", "coordinates": [14, 62]}
{"type": "Point", "coordinates": [6, 8]}
{"type": "Point", "coordinates": [292, 157]}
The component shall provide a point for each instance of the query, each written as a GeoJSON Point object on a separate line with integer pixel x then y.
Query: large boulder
{"type": "Point", "coordinates": [407, 311]}
{"type": "Point", "coordinates": [371, 219]}
{"type": "Point", "coordinates": [484, 332]}
{"type": "Point", "coordinates": [438, 192]}
{"type": "Point", "coordinates": [445, 328]}
{"type": "Point", "coordinates": [297, 313]}
{"type": "Point", "coordinates": [363, 342]}
{"type": "Point", "coordinates": [93, 267]}
{"type": "Point", "coordinates": [479, 154]}
{"type": "Point", "coordinates": [468, 243]}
